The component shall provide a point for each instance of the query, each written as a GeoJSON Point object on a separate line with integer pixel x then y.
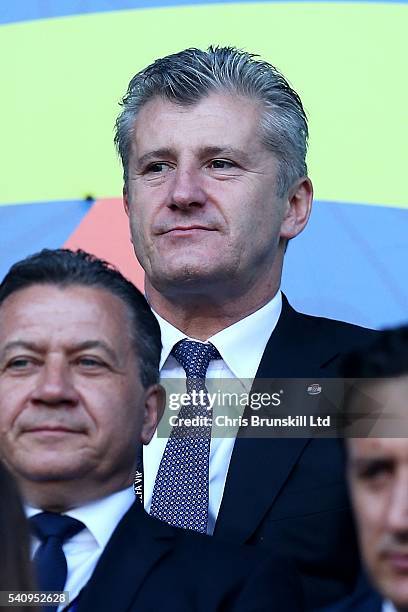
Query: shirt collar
{"type": "Point", "coordinates": [247, 337]}
{"type": "Point", "coordinates": [170, 335]}
{"type": "Point", "coordinates": [101, 516]}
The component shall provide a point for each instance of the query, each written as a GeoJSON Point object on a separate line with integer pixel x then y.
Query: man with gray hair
{"type": "Point", "coordinates": [213, 146]}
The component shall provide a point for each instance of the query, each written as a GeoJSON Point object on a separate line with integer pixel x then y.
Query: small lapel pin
{"type": "Point", "coordinates": [314, 389]}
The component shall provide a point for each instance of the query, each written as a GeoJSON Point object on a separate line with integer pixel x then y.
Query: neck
{"type": "Point", "coordinates": [201, 315]}
{"type": "Point", "coordinates": [58, 496]}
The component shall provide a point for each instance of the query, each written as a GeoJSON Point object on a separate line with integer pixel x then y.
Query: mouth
{"type": "Point", "coordinates": [51, 430]}
{"type": "Point", "coordinates": [398, 561]}
{"type": "Point", "coordinates": [185, 229]}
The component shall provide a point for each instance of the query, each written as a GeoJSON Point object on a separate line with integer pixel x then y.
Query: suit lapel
{"type": "Point", "coordinates": [260, 465]}
{"type": "Point", "coordinates": [297, 348]}
{"type": "Point", "coordinates": [263, 465]}
{"type": "Point", "coordinates": [137, 544]}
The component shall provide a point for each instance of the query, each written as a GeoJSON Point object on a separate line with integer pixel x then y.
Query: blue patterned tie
{"type": "Point", "coordinates": [180, 493]}
{"type": "Point", "coordinates": [49, 560]}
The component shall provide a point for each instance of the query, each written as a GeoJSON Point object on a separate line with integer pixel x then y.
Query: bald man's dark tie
{"type": "Point", "coordinates": [49, 560]}
{"type": "Point", "coordinates": [181, 490]}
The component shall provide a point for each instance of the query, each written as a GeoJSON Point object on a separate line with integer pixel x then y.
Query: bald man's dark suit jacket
{"type": "Point", "coordinates": [289, 495]}
{"type": "Point", "coordinates": [149, 566]}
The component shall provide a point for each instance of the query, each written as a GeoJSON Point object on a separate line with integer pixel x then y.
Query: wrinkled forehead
{"type": "Point", "coordinates": [217, 115]}
{"type": "Point", "coordinates": [46, 311]}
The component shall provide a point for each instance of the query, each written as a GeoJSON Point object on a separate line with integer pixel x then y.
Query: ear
{"type": "Point", "coordinates": [125, 200]}
{"type": "Point", "coordinates": [298, 208]}
{"type": "Point", "coordinates": [154, 404]}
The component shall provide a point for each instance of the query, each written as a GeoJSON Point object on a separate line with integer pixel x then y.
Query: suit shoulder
{"type": "Point", "coordinates": [366, 601]}
{"type": "Point", "coordinates": [340, 332]}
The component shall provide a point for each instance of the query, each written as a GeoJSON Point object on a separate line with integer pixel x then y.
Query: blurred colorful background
{"type": "Point", "coordinates": [65, 65]}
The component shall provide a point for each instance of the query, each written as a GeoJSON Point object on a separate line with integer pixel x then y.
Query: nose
{"type": "Point", "coordinates": [397, 514]}
{"type": "Point", "coordinates": [187, 189]}
{"type": "Point", "coordinates": [54, 386]}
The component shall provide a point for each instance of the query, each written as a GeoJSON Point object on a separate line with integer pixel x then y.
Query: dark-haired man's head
{"type": "Point", "coordinates": [79, 353]}
{"type": "Point", "coordinates": [387, 357]}
{"type": "Point", "coordinates": [378, 466]}
{"type": "Point", "coordinates": [64, 268]}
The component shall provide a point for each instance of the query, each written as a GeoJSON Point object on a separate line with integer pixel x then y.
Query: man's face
{"type": "Point", "coordinates": [378, 474]}
{"type": "Point", "coordinates": [71, 403]}
{"type": "Point", "coordinates": [202, 195]}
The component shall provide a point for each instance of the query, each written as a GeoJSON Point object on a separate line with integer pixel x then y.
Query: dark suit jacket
{"type": "Point", "coordinates": [362, 601]}
{"type": "Point", "coordinates": [289, 494]}
{"type": "Point", "coordinates": [149, 566]}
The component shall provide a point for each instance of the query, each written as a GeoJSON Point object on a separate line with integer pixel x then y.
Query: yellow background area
{"type": "Point", "coordinates": [62, 80]}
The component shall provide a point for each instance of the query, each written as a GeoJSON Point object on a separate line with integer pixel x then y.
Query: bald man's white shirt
{"type": "Point", "coordinates": [388, 607]}
{"type": "Point", "coordinates": [241, 347]}
{"type": "Point", "coordinates": [83, 550]}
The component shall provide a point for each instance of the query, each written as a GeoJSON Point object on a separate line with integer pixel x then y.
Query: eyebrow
{"type": "Point", "coordinates": [32, 346]}
{"type": "Point", "coordinates": [90, 344]}
{"type": "Point", "coordinates": [217, 151]}
{"type": "Point", "coordinates": [155, 154]}
{"type": "Point", "coordinates": [209, 151]}
{"type": "Point", "coordinates": [362, 463]}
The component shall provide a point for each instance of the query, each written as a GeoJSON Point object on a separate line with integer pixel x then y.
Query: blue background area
{"type": "Point", "coordinates": [318, 278]}
{"type": "Point", "coordinates": [27, 228]}
{"type": "Point", "coordinates": [317, 275]}
{"type": "Point", "coordinates": [23, 10]}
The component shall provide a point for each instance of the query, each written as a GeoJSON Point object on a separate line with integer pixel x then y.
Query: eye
{"type": "Point", "coordinates": [19, 363]}
{"type": "Point", "coordinates": [222, 164]}
{"type": "Point", "coordinates": [90, 363]}
{"type": "Point", "coordinates": [157, 168]}
{"type": "Point", "coordinates": [375, 471]}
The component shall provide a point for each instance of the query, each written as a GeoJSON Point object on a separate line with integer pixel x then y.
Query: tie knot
{"type": "Point", "coordinates": [195, 357]}
{"type": "Point", "coordinates": [50, 524]}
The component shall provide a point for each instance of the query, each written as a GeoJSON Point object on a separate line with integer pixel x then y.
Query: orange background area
{"type": "Point", "coordinates": [116, 247]}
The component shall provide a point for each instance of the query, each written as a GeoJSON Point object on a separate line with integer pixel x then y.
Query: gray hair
{"type": "Point", "coordinates": [188, 76]}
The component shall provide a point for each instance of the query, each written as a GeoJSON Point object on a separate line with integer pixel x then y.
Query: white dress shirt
{"type": "Point", "coordinates": [83, 550]}
{"type": "Point", "coordinates": [388, 607]}
{"type": "Point", "coordinates": [241, 347]}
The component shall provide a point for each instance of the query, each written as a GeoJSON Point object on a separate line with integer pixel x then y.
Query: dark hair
{"type": "Point", "coordinates": [188, 76]}
{"type": "Point", "coordinates": [63, 268]}
{"type": "Point", "coordinates": [387, 356]}
{"type": "Point", "coordinates": [15, 573]}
